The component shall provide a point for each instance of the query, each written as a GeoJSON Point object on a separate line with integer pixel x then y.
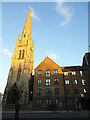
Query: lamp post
{"type": "Point", "coordinates": [65, 93]}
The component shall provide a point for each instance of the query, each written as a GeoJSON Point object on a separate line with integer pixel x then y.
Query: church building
{"type": "Point", "coordinates": [20, 73]}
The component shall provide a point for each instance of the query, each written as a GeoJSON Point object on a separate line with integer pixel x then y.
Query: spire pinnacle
{"type": "Point", "coordinates": [27, 28]}
{"type": "Point", "coordinates": [29, 13]}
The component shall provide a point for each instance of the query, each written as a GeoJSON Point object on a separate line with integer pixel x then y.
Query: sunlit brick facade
{"type": "Point", "coordinates": [56, 85]}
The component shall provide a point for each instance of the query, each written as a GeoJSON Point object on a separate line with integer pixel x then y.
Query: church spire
{"type": "Point", "coordinates": [27, 33]}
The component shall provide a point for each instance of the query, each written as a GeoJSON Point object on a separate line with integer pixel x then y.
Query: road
{"type": "Point", "coordinates": [62, 115]}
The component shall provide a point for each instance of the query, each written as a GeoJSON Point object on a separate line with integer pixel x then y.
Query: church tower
{"type": "Point", "coordinates": [20, 73]}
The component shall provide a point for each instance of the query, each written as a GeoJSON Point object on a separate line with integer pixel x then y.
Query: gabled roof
{"type": "Point", "coordinates": [46, 59]}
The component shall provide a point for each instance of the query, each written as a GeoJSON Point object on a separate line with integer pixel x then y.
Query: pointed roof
{"type": "Point", "coordinates": [46, 60]}
{"type": "Point", "coordinates": [27, 27]}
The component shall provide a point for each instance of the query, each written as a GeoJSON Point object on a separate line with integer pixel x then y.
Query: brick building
{"type": "Point", "coordinates": [60, 86]}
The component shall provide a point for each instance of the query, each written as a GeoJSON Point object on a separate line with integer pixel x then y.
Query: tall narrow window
{"type": "Point", "coordinates": [39, 101]}
{"type": "Point", "coordinates": [56, 81]}
{"type": "Point", "coordinates": [48, 92]}
{"type": "Point", "coordinates": [68, 91]}
{"type": "Point", "coordinates": [39, 82]}
{"type": "Point", "coordinates": [18, 74]}
{"type": "Point", "coordinates": [76, 91]}
{"type": "Point", "coordinates": [39, 72]}
{"type": "Point", "coordinates": [81, 73]}
{"type": "Point", "coordinates": [23, 54]}
{"type": "Point", "coordinates": [19, 54]}
{"type": "Point", "coordinates": [84, 82]}
{"type": "Point", "coordinates": [39, 92]}
{"type": "Point", "coordinates": [75, 82]}
{"type": "Point", "coordinates": [55, 71]}
{"type": "Point", "coordinates": [56, 91]}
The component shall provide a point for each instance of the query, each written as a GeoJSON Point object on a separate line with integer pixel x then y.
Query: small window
{"type": "Point", "coordinates": [75, 82]}
{"type": "Point", "coordinates": [48, 92]}
{"type": "Point", "coordinates": [39, 82]}
{"type": "Point", "coordinates": [48, 101]}
{"type": "Point", "coordinates": [56, 91]}
{"type": "Point", "coordinates": [76, 91]}
{"type": "Point", "coordinates": [68, 91]}
{"type": "Point", "coordinates": [56, 81]}
{"type": "Point", "coordinates": [83, 82]}
{"type": "Point", "coordinates": [73, 73]}
{"type": "Point", "coordinates": [39, 72]}
{"type": "Point", "coordinates": [55, 72]}
{"type": "Point", "coordinates": [47, 73]}
{"type": "Point", "coordinates": [39, 91]}
{"type": "Point", "coordinates": [66, 73]}
{"type": "Point", "coordinates": [69, 101]}
{"type": "Point", "coordinates": [81, 73]}
{"type": "Point", "coordinates": [48, 82]}
{"type": "Point", "coordinates": [39, 101]}
{"type": "Point", "coordinates": [84, 91]}
{"type": "Point", "coordinates": [67, 82]}
{"type": "Point", "coordinates": [57, 101]}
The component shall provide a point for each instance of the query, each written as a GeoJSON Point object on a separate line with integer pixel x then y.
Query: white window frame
{"type": "Point", "coordinates": [83, 82]}
{"type": "Point", "coordinates": [81, 73]}
{"type": "Point", "coordinates": [66, 73]}
{"type": "Point", "coordinates": [75, 82]}
{"type": "Point", "coordinates": [40, 82]}
{"type": "Point", "coordinates": [47, 73]}
{"type": "Point", "coordinates": [48, 82]}
{"type": "Point", "coordinates": [73, 72]}
{"type": "Point", "coordinates": [55, 71]}
{"type": "Point", "coordinates": [67, 82]}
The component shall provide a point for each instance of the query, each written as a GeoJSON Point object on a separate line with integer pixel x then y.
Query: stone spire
{"type": "Point", "coordinates": [27, 33]}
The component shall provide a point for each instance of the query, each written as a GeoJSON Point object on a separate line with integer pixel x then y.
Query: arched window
{"type": "Point", "coordinates": [20, 54]}
{"type": "Point", "coordinates": [24, 35]}
{"type": "Point", "coordinates": [27, 41]}
{"type": "Point", "coordinates": [23, 54]}
{"type": "Point", "coordinates": [18, 74]}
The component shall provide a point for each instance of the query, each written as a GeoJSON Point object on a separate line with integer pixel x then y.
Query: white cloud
{"type": "Point", "coordinates": [33, 14]}
{"type": "Point", "coordinates": [6, 52]}
{"type": "Point", "coordinates": [66, 11]}
{"type": "Point", "coordinates": [53, 56]}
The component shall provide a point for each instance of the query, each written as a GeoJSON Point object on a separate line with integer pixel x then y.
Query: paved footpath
{"type": "Point", "coordinates": [61, 115]}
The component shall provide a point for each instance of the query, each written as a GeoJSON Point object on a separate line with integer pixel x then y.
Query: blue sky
{"type": "Point", "coordinates": [59, 30]}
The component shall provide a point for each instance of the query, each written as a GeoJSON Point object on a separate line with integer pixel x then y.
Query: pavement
{"type": "Point", "coordinates": [60, 115]}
